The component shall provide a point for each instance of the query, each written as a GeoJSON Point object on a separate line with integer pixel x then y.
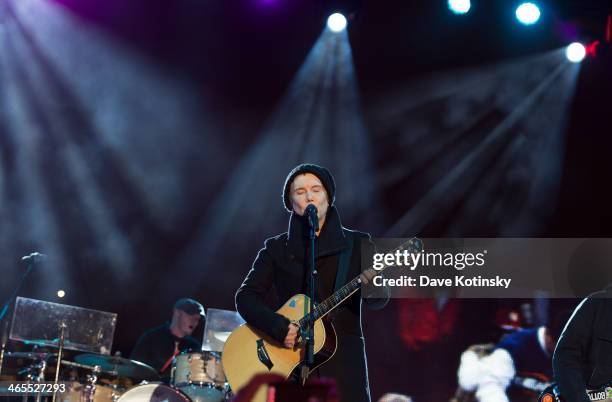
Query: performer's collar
{"type": "Point", "coordinates": [331, 239]}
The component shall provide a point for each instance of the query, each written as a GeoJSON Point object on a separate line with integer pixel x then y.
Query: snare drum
{"type": "Point", "coordinates": [153, 392]}
{"type": "Point", "coordinates": [77, 392]}
{"type": "Point", "coordinates": [200, 376]}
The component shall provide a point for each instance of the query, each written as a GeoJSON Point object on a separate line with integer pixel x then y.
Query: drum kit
{"type": "Point", "coordinates": [96, 376]}
{"type": "Point", "coordinates": [196, 377]}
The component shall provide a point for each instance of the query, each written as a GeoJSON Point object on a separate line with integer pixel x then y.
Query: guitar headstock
{"type": "Point", "coordinates": [413, 245]}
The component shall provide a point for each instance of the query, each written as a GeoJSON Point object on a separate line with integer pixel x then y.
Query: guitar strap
{"type": "Point", "coordinates": [343, 263]}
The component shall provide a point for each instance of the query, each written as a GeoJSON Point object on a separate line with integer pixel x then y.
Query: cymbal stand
{"type": "Point", "coordinates": [35, 373]}
{"type": "Point", "coordinates": [62, 328]}
{"type": "Point", "coordinates": [41, 375]}
{"type": "Point", "coordinates": [88, 367]}
{"type": "Point", "coordinates": [92, 380]}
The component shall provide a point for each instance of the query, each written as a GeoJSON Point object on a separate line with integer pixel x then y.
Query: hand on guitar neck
{"type": "Point", "coordinates": [366, 276]}
{"type": "Point", "coordinates": [294, 331]}
{"type": "Point", "coordinates": [292, 336]}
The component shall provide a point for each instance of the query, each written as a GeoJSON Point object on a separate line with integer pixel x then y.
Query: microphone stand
{"type": "Point", "coordinates": [6, 306]}
{"type": "Point", "coordinates": [3, 346]}
{"type": "Point", "coordinates": [313, 223]}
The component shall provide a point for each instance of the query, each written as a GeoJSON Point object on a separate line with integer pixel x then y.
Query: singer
{"type": "Point", "coordinates": [281, 265]}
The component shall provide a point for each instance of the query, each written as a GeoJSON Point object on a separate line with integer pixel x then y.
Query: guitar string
{"type": "Point", "coordinates": [348, 289]}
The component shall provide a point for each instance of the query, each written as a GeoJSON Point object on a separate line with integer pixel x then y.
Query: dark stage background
{"type": "Point", "coordinates": [192, 187]}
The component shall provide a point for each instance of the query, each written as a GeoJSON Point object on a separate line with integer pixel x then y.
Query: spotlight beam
{"type": "Point", "coordinates": [448, 190]}
{"type": "Point", "coordinates": [446, 85]}
{"type": "Point", "coordinates": [42, 77]}
{"type": "Point", "coordinates": [318, 120]}
{"type": "Point", "coordinates": [32, 210]}
{"type": "Point", "coordinates": [428, 150]}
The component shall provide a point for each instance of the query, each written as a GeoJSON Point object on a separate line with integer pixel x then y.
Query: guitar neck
{"type": "Point", "coordinates": [340, 295]}
{"type": "Point", "coordinates": [322, 309]}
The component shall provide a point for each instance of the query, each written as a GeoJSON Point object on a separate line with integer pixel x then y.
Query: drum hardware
{"type": "Point", "coordinates": [92, 379]}
{"type": "Point", "coordinates": [62, 329]}
{"type": "Point", "coordinates": [34, 372]}
{"type": "Point", "coordinates": [39, 323]}
{"type": "Point", "coordinates": [91, 390]}
{"type": "Point", "coordinates": [78, 392]}
{"type": "Point", "coordinates": [91, 368]}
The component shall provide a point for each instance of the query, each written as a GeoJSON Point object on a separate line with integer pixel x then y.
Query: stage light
{"type": "Point", "coordinates": [528, 13]}
{"type": "Point", "coordinates": [575, 52]}
{"type": "Point", "coordinates": [61, 293]}
{"type": "Point", "coordinates": [459, 6]}
{"type": "Point", "coordinates": [336, 22]}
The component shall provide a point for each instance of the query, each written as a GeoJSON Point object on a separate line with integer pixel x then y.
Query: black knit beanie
{"type": "Point", "coordinates": [322, 173]}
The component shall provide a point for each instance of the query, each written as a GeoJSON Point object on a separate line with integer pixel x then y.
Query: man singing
{"type": "Point", "coordinates": [282, 264]}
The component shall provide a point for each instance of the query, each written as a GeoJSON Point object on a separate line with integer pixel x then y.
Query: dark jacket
{"type": "Point", "coordinates": [280, 264]}
{"type": "Point", "coordinates": [156, 346]}
{"type": "Point", "coordinates": [583, 356]}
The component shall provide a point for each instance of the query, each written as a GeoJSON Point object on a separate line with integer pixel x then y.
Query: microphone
{"type": "Point", "coordinates": [313, 219]}
{"type": "Point", "coordinates": [34, 257]}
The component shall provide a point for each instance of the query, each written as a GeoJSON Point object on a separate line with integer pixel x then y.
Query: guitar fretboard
{"type": "Point", "coordinates": [332, 301]}
{"type": "Point", "coordinates": [413, 245]}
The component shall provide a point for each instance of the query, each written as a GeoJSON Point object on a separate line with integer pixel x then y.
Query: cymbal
{"type": "Point", "coordinates": [46, 342]}
{"type": "Point", "coordinates": [30, 355]}
{"type": "Point", "coordinates": [124, 367]}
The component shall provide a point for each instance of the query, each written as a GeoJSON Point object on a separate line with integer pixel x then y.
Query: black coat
{"type": "Point", "coordinates": [156, 346]}
{"type": "Point", "coordinates": [280, 264]}
{"type": "Point", "coordinates": [583, 356]}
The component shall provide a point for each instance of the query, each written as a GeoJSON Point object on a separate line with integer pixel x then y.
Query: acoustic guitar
{"type": "Point", "coordinates": [249, 351]}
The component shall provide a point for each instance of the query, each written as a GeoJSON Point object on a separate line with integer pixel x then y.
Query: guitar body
{"type": "Point", "coordinates": [248, 351]}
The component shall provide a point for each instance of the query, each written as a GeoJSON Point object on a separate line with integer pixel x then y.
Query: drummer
{"type": "Point", "coordinates": [158, 346]}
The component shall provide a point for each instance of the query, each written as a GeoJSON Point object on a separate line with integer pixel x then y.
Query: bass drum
{"type": "Point", "coordinates": [153, 392]}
